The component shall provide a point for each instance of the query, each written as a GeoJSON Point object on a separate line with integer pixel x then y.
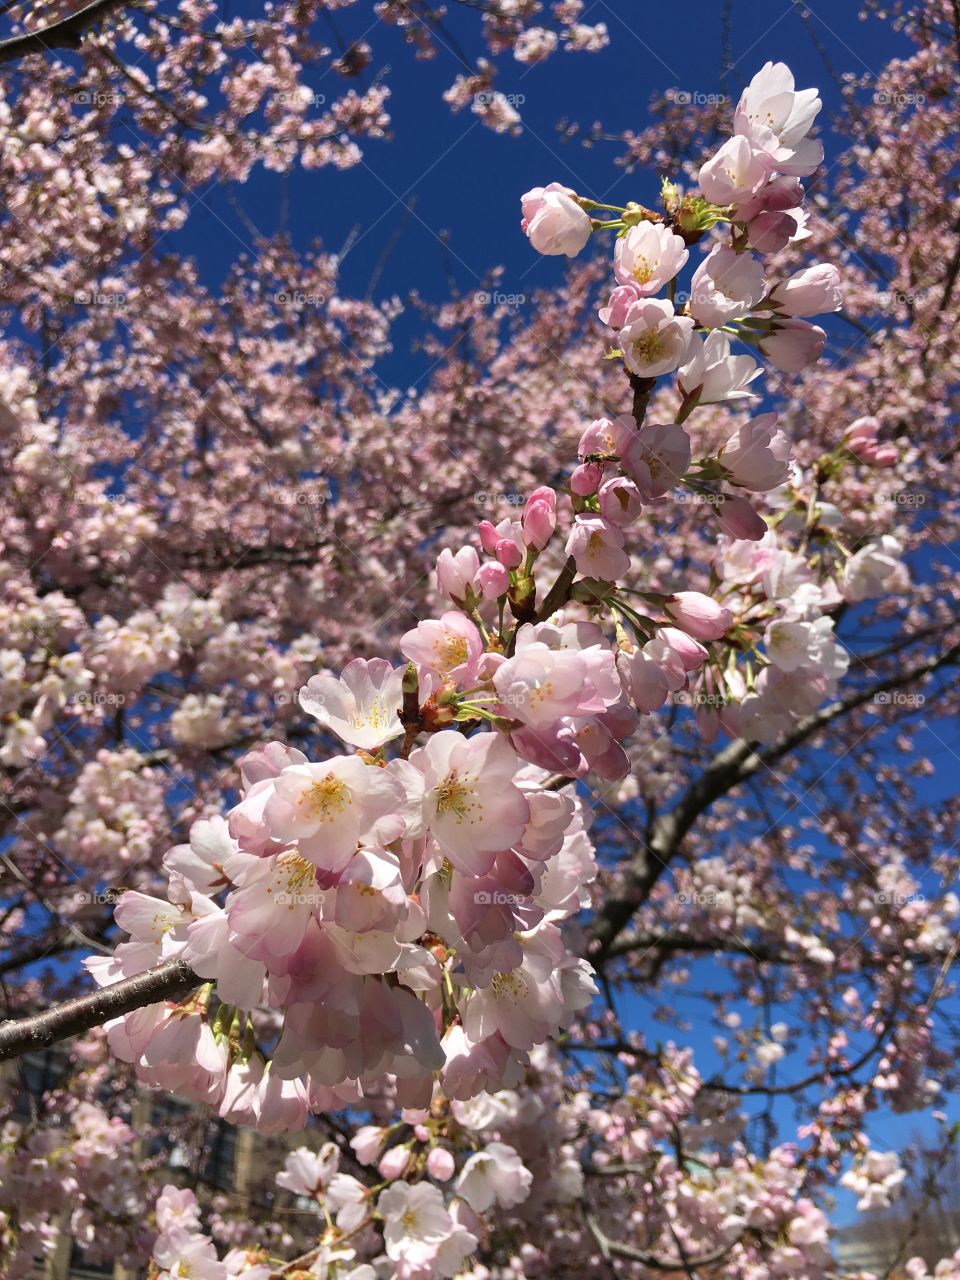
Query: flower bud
{"type": "Point", "coordinates": [394, 1163]}
{"type": "Point", "coordinates": [489, 537]}
{"type": "Point", "coordinates": [440, 1164]}
{"type": "Point", "coordinates": [586, 479]}
{"type": "Point", "coordinates": [493, 580]}
{"type": "Point", "coordinates": [540, 517]}
{"type": "Point", "coordinates": [508, 553]}
{"type": "Point", "coordinates": [699, 615]}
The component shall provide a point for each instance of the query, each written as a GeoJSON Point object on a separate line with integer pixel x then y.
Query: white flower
{"type": "Point", "coordinates": [654, 338]}
{"type": "Point", "coordinates": [648, 256]}
{"type": "Point", "coordinates": [734, 173]}
{"type": "Point", "coordinates": [361, 707]}
{"type": "Point", "coordinates": [776, 120]}
{"type": "Point", "coordinates": [495, 1174]}
{"type": "Point", "coordinates": [719, 376]}
{"type": "Point", "coordinates": [726, 286]}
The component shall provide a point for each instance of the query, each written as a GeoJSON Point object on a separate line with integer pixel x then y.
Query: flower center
{"type": "Point", "coordinates": [650, 347]}
{"type": "Point", "coordinates": [451, 650]}
{"type": "Point", "coordinates": [642, 272]}
{"type": "Point", "coordinates": [509, 984]}
{"type": "Point", "coordinates": [326, 798]}
{"type": "Point", "coordinates": [457, 795]}
{"type": "Point", "coordinates": [297, 872]}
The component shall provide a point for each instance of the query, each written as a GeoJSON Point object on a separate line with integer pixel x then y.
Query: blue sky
{"type": "Point", "coordinates": [445, 172]}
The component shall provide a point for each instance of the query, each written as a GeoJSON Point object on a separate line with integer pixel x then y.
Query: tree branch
{"type": "Point", "coordinates": [73, 1017]}
{"type": "Point", "coordinates": [736, 763]}
{"type": "Point", "coordinates": [68, 33]}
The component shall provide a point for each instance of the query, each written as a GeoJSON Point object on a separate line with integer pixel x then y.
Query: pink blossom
{"type": "Point", "coordinates": [757, 455]}
{"type": "Point", "coordinates": [597, 547]}
{"type": "Point", "coordinates": [738, 518]}
{"type": "Point", "coordinates": [776, 120]}
{"type": "Point", "coordinates": [620, 501]}
{"type": "Point", "coordinates": [540, 517]}
{"type": "Point", "coordinates": [654, 338]}
{"type": "Point", "coordinates": [711, 375]}
{"type": "Point", "coordinates": [495, 1174]}
{"type": "Point", "coordinates": [472, 806]}
{"type": "Point", "coordinates": [792, 345]}
{"type": "Point", "coordinates": [647, 257]}
{"type": "Point", "coordinates": [456, 572]}
{"type": "Point", "coordinates": [444, 649]}
{"type": "Point", "coordinates": [735, 172]}
{"type": "Point", "coordinates": [327, 808]}
{"type": "Point", "coordinates": [726, 286]}
{"type": "Point", "coordinates": [656, 458]}
{"type": "Point", "coordinates": [362, 706]}
{"type": "Point", "coordinates": [553, 221]}
{"type": "Point", "coordinates": [619, 303]}
{"type": "Point", "coordinates": [809, 292]}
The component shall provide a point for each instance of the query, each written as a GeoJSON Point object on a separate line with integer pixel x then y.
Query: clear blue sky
{"type": "Point", "coordinates": [458, 176]}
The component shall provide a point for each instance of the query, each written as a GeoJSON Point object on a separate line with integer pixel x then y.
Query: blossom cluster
{"type": "Point", "coordinates": [378, 915]}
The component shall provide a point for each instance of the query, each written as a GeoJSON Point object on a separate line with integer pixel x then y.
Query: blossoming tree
{"type": "Point", "coordinates": [383, 840]}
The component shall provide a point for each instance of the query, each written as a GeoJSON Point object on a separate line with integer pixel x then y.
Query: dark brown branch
{"type": "Point", "coordinates": [40, 1030]}
{"type": "Point", "coordinates": [68, 33]}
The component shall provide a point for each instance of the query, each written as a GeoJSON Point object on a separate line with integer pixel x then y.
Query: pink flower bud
{"type": "Point", "coordinates": [699, 615]}
{"type": "Point", "coordinates": [791, 345]}
{"type": "Point", "coordinates": [421, 1133]}
{"type": "Point", "coordinates": [394, 1163]}
{"type": "Point", "coordinates": [863, 431]}
{"type": "Point", "coordinates": [770, 232]}
{"type": "Point", "coordinates": [586, 479]}
{"type": "Point", "coordinates": [488, 536]}
{"type": "Point", "coordinates": [738, 519]}
{"type": "Point", "coordinates": [809, 292]}
{"type": "Point", "coordinates": [493, 580]}
{"type": "Point", "coordinates": [861, 439]}
{"type": "Point", "coordinates": [691, 653]}
{"type": "Point", "coordinates": [440, 1164]}
{"type": "Point", "coordinates": [508, 553]}
{"type": "Point", "coordinates": [540, 517]}
{"type": "Point", "coordinates": [615, 312]}
{"type": "Point", "coordinates": [553, 221]}
{"type": "Point", "coordinates": [455, 573]}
